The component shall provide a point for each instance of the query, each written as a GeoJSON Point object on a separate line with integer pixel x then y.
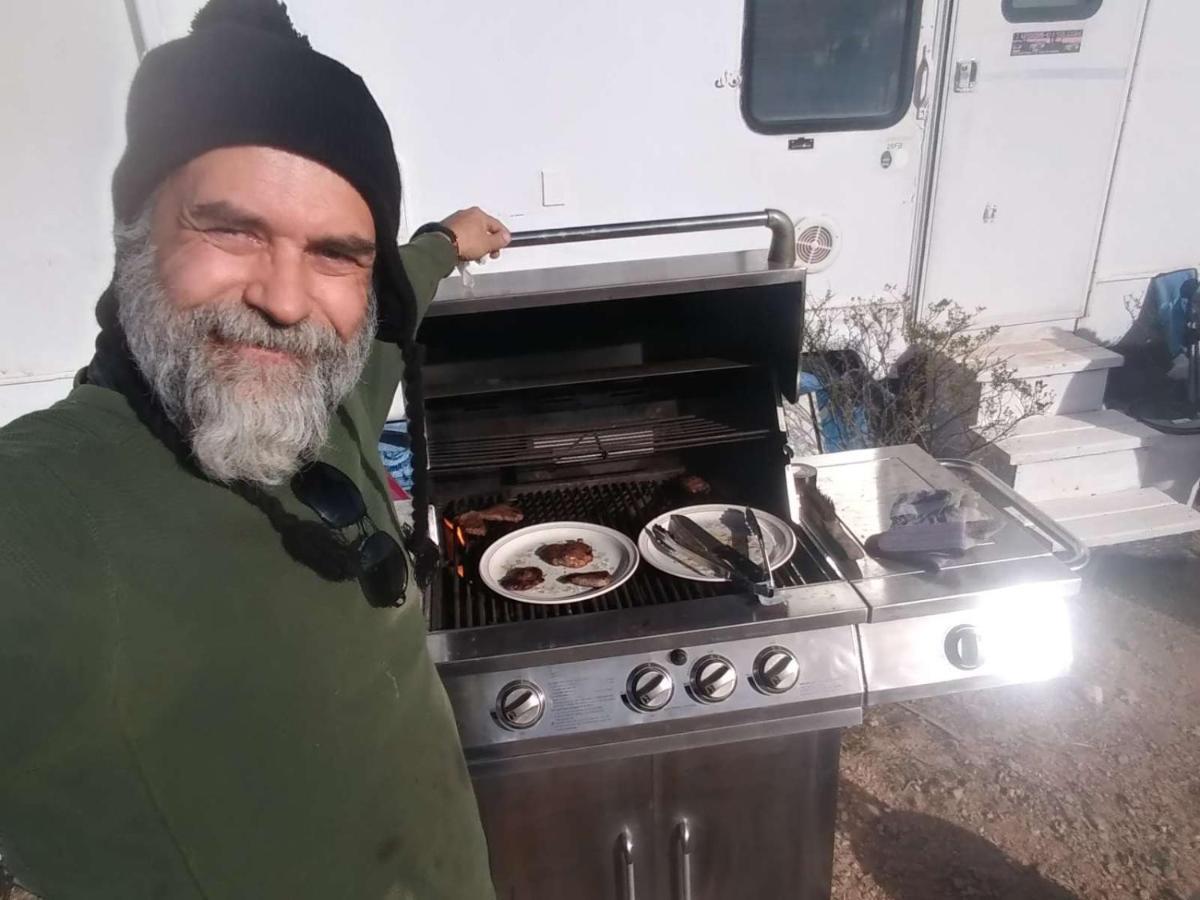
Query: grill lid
{"type": "Point", "coordinates": [610, 281]}
{"type": "Point", "coordinates": [615, 321]}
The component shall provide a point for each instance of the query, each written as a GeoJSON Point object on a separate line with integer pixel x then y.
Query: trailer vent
{"type": "Point", "coordinates": [817, 243]}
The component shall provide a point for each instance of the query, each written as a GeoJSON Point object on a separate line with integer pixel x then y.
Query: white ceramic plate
{"type": "Point", "coordinates": [611, 552]}
{"type": "Point", "coordinates": [779, 538]}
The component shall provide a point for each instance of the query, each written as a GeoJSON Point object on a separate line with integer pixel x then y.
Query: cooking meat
{"type": "Point", "coordinates": [475, 521]}
{"type": "Point", "coordinates": [568, 554]}
{"type": "Point", "coordinates": [587, 579]}
{"type": "Point", "coordinates": [694, 484]}
{"type": "Point", "coordinates": [502, 512]}
{"type": "Point", "coordinates": [472, 523]}
{"type": "Point", "coordinates": [522, 578]}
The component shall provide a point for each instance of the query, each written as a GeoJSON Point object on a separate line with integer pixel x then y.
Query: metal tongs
{"type": "Point", "coordinates": [724, 561]}
{"type": "Point", "coordinates": [755, 529]}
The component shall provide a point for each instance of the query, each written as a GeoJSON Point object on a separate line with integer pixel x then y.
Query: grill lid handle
{"type": "Point", "coordinates": [782, 254]}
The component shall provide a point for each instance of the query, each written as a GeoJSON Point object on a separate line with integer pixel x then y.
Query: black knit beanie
{"type": "Point", "coordinates": [244, 76]}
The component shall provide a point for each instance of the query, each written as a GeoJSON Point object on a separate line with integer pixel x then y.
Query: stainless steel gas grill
{"type": "Point", "coordinates": [675, 738]}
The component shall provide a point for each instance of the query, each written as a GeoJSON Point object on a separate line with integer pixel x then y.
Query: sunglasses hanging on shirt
{"type": "Point", "coordinates": [381, 566]}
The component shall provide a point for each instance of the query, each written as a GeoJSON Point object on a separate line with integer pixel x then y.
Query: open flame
{"type": "Point", "coordinates": [458, 534]}
{"type": "Point", "coordinates": [461, 538]}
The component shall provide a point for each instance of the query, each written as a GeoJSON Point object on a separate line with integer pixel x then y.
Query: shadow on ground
{"type": "Point", "coordinates": [915, 856]}
{"type": "Point", "coordinates": [1161, 575]}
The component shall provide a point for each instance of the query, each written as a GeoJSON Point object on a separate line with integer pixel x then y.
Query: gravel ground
{"type": "Point", "coordinates": [1086, 787]}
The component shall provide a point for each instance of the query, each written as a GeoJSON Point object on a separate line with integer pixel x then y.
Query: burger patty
{"type": "Point", "coordinates": [568, 554]}
{"type": "Point", "coordinates": [522, 578]}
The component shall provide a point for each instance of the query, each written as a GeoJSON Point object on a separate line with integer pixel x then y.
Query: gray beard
{"type": "Point", "coordinates": [244, 422]}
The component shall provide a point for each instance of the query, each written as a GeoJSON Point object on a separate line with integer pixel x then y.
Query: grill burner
{"type": "Point", "coordinates": [463, 601]}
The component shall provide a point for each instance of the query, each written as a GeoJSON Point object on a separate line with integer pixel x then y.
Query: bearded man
{"type": "Point", "coordinates": [213, 676]}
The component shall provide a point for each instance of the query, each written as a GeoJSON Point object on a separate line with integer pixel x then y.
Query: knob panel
{"type": "Point", "coordinates": [650, 687]}
{"type": "Point", "coordinates": [776, 670]}
{"type": "Point", "coordinates": [713, 679]}
{"type": "Point", "coordinates": [520, 704]}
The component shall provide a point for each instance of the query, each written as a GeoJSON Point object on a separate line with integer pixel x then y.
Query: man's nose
{"type": "Point", "coordinates": [278, 289]}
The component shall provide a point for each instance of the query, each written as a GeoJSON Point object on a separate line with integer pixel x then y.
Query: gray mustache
{"type": "Point", "coordinates": [238, 324]}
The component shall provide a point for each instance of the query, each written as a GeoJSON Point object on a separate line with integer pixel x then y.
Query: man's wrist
{"type": "Point", "coordinates": [438, 228]}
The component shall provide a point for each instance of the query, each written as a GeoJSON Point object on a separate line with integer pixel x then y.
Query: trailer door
{"type": "Point", "coordinates": [1034, 97]}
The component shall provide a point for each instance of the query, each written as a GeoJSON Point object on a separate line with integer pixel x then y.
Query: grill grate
{"type": "Point", "coordinates": [571, 446]}
{"type": "Point", "coordinates": [459, 599]}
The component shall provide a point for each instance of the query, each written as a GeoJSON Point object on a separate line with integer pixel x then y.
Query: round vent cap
{"type": "Point", "coordinates": [818, 240]}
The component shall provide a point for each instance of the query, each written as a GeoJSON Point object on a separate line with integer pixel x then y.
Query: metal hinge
{"type": "Point", "coordinates": [966, 71]}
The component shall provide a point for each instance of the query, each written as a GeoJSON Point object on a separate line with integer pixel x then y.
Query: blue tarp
{"type": "Point", "coordinates": [1173, 309]}
{"type": "Point", "coordinates": [835, 435]}
{"type": "Point", "coordinates": [395, 447]}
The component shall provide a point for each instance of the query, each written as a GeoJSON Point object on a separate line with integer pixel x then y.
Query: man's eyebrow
{"type": "Point", "coordinates": [222, 212]}
{"type": "Point", "coordinates": [343, 245]}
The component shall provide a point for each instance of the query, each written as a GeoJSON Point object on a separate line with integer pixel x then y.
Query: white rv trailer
{"type": "Point", "coordinates": [1032, 157]}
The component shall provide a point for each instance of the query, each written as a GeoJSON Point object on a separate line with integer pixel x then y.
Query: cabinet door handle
{"type": "Point", "coordinates": [625, 854]}
{"type": "Point", "coordinates": [683, 849]}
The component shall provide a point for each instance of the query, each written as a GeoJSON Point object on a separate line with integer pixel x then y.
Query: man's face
{"type": "Point", "coordinates": [245, 295]}
{"type": "Point", "coordinates": [268, 229]}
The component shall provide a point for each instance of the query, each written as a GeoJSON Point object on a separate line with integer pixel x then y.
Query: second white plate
{"type": "Point", "coordinates": [779, 538]}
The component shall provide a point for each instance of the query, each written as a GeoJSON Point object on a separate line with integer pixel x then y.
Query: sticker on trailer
{"type": "Point", "coordinates": [1039, 43]}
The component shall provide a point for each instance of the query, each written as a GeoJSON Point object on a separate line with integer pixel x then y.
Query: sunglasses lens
{"type": "Point", "coordinates": [383, 570]}
{"type": "Point", "coordinates": [330, 494]}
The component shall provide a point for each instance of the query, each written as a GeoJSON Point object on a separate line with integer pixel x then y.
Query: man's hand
{"type": "Point", "coordinates": [479, 235]}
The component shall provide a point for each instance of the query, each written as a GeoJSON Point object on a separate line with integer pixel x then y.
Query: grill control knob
{"type": "Point", "coordinates": [776, 670]}
{"type": "Point", "coordinates": [520, 704]}
{"type": "Point", "coordinates": [650, 687]}
{"type": "Point", "coordinates": [963, 647]}
{"type": "Point", "coordinates": [713, 679]}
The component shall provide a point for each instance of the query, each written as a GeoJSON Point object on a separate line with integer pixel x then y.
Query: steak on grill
{"type": "Point", "coordinates": [568, 554]}
{"type": "Point", "coordinates": [472, 523]}
{"type": "Point", "coordinates": [502, 512]}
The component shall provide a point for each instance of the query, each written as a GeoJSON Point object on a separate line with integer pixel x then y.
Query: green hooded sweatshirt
{"type": "Point", "coordinates": [188, 710]}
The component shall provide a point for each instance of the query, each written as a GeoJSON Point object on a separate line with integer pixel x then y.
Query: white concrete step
{"type": "Point", "coordinates": [1116, 518]}
{"type": "Point", "coordinates": [1074, 370]}
{"type": "Point", "coordinates": [1057, 353]}
{"type": "Point", "coordinates": [1043, 438]}
{"type": "Point", "coordinates": [1081, 453]}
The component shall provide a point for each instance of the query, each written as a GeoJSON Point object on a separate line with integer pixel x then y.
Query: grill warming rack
{"type": "Point", "coordinates": [613, 440]}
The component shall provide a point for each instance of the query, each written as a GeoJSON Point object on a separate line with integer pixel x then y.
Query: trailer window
{"type": "Point", "coordinates": [827, 65]}
{"type": "Point", "coordinates": [1050, 10]}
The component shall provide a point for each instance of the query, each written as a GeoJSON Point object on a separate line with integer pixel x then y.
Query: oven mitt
{"type": "Point", "coordinates": [931, 524]}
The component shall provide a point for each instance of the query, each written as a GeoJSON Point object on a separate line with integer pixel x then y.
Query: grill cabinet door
{"type": "Point", "coordinates": [759, 818]}
{"type": "Point", "coordinates": [557, 833]}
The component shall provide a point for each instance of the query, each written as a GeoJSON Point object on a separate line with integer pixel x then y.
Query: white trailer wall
{"type": "Point", "coordinates": [1152, 222]}
{"type": "Point", "coordinates": [619, 101]}
{"type": "Point", "coordinates": [626, 107]}
{"type": "Point", "coordinates": [64, 71]}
